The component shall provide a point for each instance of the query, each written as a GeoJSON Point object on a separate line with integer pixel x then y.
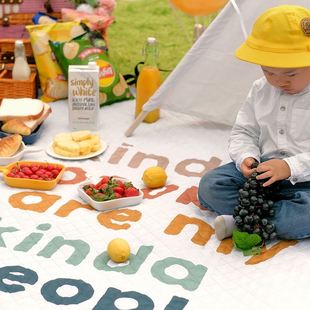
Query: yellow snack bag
{"type": "Point", "coordinates": [53, 83]}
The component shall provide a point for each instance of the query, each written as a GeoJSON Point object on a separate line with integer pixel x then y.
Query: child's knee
{"type": "Point", "coordinates": [206, 186]}
{"type": "Point", "coordinates": [207, 182]}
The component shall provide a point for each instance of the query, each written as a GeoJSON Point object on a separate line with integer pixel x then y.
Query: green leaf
{"type": "Point", "coordinates": [256, 250]}
{"type": "Point", "coordinates": [245, 241]}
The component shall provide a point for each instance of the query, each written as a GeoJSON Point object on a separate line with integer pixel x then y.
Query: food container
{"type": "Point", "coordinates": [10, 88]}
{"type": "Point", "coordinates": [31, 183]}
{"type": "Point", "coordinates": [19, 154]}
{"type": "Point", "coordinates": [117, 203]}
{"type": "Point", "coordinates": [32, 138]}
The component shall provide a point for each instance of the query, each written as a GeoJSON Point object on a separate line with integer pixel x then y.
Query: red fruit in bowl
{"type": "Point", "coordinates": [119, 190]}
{"type": "Point", "coordinates": [117, 195]}
{"type": "Point", "coordinates": [104, 180]}
{"type": "Point", "coordinates": [131, 191]}
{"type": "Point", "coordinates": [120, 183]}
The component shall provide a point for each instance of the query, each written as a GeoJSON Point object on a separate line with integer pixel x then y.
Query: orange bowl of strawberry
{"type": "Point", "coordinates": [32, 174]}
{"type": "Point", "coordinates": [110, 193]}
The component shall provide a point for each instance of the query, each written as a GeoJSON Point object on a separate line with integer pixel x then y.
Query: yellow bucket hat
{"type": "Point", "coordinates": [280, 38]}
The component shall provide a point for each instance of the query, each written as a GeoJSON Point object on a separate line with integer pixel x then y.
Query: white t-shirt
{"type": "Point", "coordinates": [272, 124]}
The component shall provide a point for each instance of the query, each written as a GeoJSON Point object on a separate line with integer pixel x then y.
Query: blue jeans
{"type": "Point", "coordinates": [218, 192]}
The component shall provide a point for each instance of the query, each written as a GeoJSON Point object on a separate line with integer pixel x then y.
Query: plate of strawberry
{"type": "Point", "coordinates": [110, 193]}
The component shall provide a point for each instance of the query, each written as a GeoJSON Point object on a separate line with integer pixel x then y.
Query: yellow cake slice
{"type": "Point", "coordinates": [81, 135]}
{"type": "Point", "coordinates": [85, 147]}
{"type": "Point", "coordinates": [67, 147]}
{"type": "Point", "coordinates": [64, 136]}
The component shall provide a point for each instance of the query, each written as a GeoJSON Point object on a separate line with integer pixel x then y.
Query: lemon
{"type": "Point", "coordinates": [154, 177]}
{"type": "Point", "coordinates": [118, 250]}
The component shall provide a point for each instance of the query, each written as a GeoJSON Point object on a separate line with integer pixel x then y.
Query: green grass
{"type": "Point", "coordinates": [135, 20]}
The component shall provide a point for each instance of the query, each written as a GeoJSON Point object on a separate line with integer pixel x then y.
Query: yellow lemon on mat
{"type": "Point", "coordinates": [154, 177]}
{"type": "Point", "coordinates": [118, 250]}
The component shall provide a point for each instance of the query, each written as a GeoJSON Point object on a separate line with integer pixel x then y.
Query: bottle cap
{"type": "Point", "coordinates": [151, 40]}
{"type": "Point", "coordinates": [92, 65]}
{"type": "Point", "coordinates": [19, 42]}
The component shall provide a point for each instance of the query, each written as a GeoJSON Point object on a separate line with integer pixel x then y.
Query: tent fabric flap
{"type": "Point", "coordinates": [210, 82]}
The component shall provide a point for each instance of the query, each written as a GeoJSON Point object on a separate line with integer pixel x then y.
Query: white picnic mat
{"type": "Point", "coordinates": [52, 245]}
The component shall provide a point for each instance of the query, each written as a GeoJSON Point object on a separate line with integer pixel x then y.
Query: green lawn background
{"type": "Point", "coordinates": [135, 20]}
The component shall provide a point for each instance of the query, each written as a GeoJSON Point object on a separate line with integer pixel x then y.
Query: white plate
{"type": "Point", "coordinates": [51, 152]}
{"type": "Point", "coordinates": [118, 203]}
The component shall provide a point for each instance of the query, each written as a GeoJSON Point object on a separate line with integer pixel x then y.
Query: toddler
{"type": "Point", "coordinates": [272, 127]}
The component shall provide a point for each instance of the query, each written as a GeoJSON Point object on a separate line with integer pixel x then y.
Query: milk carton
{"type": "Point", "coordinates": [83, 97]}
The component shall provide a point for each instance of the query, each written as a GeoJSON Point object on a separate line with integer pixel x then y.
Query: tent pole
{"type": "Point", "coordinates": [136, 123]}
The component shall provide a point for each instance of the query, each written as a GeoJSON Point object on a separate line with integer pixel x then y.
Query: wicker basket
{"type": "Point", "coordinates": [10, 88]}
{"type": "Point", "coordinates": [7, 44]}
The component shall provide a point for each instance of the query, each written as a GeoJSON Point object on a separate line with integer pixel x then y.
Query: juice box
{"type": "Point", "coordinates": [83, 96]}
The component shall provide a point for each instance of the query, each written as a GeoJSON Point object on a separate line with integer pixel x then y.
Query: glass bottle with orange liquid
{"type": "Point", "coordinates": [149, 80]}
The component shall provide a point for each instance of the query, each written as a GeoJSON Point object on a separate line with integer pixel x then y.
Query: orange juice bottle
{"type": "Point", "coordinates": [148, 81]}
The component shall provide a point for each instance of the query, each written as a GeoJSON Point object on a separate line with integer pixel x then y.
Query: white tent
{"type": "Point", "coordinates": [210, 82]}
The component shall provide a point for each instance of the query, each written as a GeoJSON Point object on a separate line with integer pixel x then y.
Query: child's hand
{"type": "Point", "coordinates": [274, 169]}
{"type": "Point", "coordinates": [245, 167]}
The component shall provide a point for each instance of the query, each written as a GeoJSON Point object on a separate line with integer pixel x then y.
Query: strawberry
{"type": "Point", "coordinates": [102, 186]}
{"type": "Point", "coordinates": [117, 195]}
{"type": "Point", "coordinates": [104, 180]}
{"type": "Point", "coordinates": [89, 192]}
{"type": "Point", "coordinates": [120, 183]}
{"type": "Point", "coordinates": [90, 189]}
{"type": "Point", "coordinates": [131, 191]}
{"type": "Point", "coordinates": [119, 190]}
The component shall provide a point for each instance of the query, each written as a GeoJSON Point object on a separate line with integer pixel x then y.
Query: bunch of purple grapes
{"type": "Point", "coordinates": [255, 210]}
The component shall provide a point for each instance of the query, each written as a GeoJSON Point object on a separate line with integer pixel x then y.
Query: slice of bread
{"type": "Point", "coordinates": [34, 123]}
{"type": "Point", "coordinates": [23, 108]}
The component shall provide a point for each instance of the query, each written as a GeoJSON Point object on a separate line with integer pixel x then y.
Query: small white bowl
{"type": "Point", "coordinates": [19, 154]}
{"type": "Point", "coordinates": [110, 204]}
